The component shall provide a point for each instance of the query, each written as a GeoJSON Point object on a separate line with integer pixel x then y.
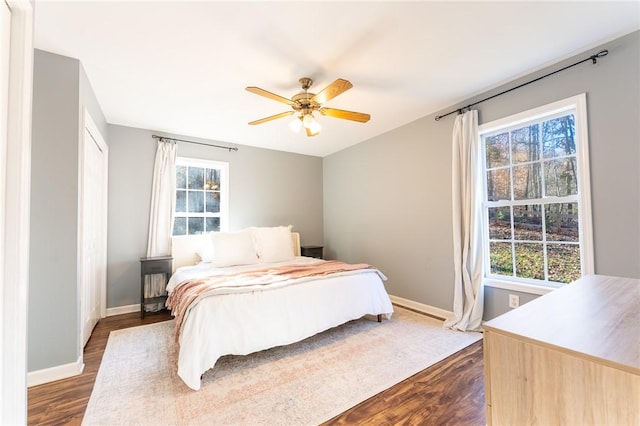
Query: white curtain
{"type": "Point", "coordinates": [163, 199]}
{"type": "Point", "coordinates": [467, 224]}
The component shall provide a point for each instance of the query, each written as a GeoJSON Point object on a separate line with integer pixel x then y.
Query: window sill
{"type": "Point", "coordinates": [516, 286]}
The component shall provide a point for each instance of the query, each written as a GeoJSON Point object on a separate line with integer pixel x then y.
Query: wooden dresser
{"type": "Point", "coordinates": [571, 357]}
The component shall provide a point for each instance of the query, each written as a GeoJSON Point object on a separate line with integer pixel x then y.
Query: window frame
{"type": "Point", "coordinates": [223, 166]}
{"type": "Point", "coordinates": [578, 105]}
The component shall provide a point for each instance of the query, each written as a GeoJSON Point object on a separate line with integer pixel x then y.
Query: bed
{"type": "Point", "coordinates": [229, 297]}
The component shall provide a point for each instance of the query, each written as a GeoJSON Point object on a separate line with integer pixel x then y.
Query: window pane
{"type": "Point", "coordinates": [560, 177]}
{"type": "Point", "coordinates": [196, 225]}
{"type": "Point", "coordinates": [213, 224]}
{"type": "Point", "coordinates": [529, 260]}
{"type": "Point", "coordinates": [213, 202]}
{"type": "Point", "coordinates": [180, 226]}
{"type": "Point", "coordinates": [562, 222]}
{"type": "Point", "coordinates": [527, 183]}
{"type": "Point", "coordinates": [524, 144]}
{"type": "Point", "coordinates": [500, 223]}
{"type": "Point", "coordinates": [181, 177]}
{"type": "Point", "coordinates": [527, 222]}
{"type": "Point", "coordinates": [558, 137]}
{"type": "Point", "coordinates": [532, 201]}
{"type": "Point", "coordinates": [181, 201]}
{"type": "Point", "coordinates": [498, 185]}
{"type": "Point", "coordinates": [200, 203]}
{"type": "Point", "coordinates": [500, 259]}
{"type": "Point", "coordinates": [212, 179]}
{"type": "Point", "coordinates": [564, 262]}
{"type": "Point", "coordinates": [196, 201]}
{"type": "Point", "coordinates": [196, 178]}
{"type": "Point", "coordinates": [497, 148]}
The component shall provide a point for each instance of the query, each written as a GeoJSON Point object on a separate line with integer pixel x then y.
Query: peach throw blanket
{"type": "Point", "coordinates": [187, 292]}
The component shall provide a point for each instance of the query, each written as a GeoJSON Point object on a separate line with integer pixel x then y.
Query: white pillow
{"type": "Point", "coordinates": [205, 250]}
{"type": "Point", "coordinates": [273, 244]}
{"type": "Point", "coordinates": [233, 248]}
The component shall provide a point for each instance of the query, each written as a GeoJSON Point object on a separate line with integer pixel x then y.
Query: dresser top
{"type": "Point", "coordinates": [596, 316]}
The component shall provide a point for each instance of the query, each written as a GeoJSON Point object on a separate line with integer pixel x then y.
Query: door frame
{"type": "Point", "coordinates": [89, 125]}
{"type": "Point", "coordinates": [15, 202]}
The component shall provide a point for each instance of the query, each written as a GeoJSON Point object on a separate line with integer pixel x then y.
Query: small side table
{"type": "Point", "coordinates": [312, 251]}
{"type": "Point", "coordinates": [151, 266]}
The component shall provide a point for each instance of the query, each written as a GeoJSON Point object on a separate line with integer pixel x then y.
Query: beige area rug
{"type": "Point", "coordinates": [305, 383]}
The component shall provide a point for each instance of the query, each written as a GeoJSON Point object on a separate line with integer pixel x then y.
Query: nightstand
{"type": "Point", "coordinates": [311, 251]}
{"type": "Point", "coordinates": [151, 266]}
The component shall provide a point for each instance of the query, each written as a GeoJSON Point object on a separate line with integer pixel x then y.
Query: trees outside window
{"type": "Point", "coordinates": [537, 217]}
{"type": "Point", "coordinates": [201, 196]}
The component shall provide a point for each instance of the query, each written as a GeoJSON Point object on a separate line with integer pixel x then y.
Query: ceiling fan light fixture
{"type": "Point", "coordinates": [314, 127]}
{"type": "Point", "coordinates": [308, 120]}
{"type": "Point", "coordinates": [296, 124]}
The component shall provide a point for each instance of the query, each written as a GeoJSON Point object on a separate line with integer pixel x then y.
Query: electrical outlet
{"type": "Point", "coordinates": [514, 301]}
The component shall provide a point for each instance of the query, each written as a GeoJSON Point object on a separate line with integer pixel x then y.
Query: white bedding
{"type": "Point", "coordinates": [241, 323]}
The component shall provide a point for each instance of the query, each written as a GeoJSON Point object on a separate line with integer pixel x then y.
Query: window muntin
{"type": "Point", "coordinates": [537, 230]}
{"type": "Point", "coordinates": [201, 196]}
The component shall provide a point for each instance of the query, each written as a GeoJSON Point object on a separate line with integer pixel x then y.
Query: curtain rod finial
{"type": "Point", "coordinates": [600, 54]}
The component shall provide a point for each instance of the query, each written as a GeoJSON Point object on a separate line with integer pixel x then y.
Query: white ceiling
{"type": "Point", "coordinates": [182, 67]}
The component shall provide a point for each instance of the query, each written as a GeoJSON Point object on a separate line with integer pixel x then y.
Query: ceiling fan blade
{"type": "Point", "coordinates": [309, 133]}
{"type": "Point", "coordinates": [346, 115]}
{"type": "Point", "coordinates": [272, 117]}
{"type": "Point", "coordinates": [332, 90]}
{"type": "Point", "coordinates": [267, 94]}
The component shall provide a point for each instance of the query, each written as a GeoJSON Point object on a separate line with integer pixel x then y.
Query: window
{"type": "Point", "coordinates": [202, 196]}
{"type": "Point", "coordinates": [536, 209]}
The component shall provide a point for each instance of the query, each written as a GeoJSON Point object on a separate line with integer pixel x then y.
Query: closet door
{"type": "Point", "coordinates": [92, 254]}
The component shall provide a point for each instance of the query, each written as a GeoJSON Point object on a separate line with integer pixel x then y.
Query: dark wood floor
{"type": "Point", "coordinates": [450, 392]}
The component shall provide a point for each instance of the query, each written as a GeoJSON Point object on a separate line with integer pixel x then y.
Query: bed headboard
{"type": "Point", "coordinates": [184, 247]}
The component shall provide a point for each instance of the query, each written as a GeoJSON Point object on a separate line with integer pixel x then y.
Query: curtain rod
{"type": "Point", "coordinates": [163, 138]}
{"type": "Point", "coordinates": [593, 58]}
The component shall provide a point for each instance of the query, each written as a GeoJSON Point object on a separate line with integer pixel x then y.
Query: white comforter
{"type": "Point", "coordinates": [241, 323]}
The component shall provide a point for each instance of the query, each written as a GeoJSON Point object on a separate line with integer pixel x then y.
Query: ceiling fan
{"type": "Point", "coordinates": [305, 103]}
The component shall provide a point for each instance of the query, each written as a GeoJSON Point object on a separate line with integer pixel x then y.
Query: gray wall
{"type": "Point", "coordinates": [387, 201]}
{"type": "Point", "coordinates": [266, 188]}
{"type": "Point", "coordinates": [60, 90]}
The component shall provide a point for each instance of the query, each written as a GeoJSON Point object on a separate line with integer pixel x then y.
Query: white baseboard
{"type": "Point", "coordinates": [123, 310]}
{"type": "Point", "coordinates": [52, 374]}
{"type": "Point", "coordinates": [421, 307]}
